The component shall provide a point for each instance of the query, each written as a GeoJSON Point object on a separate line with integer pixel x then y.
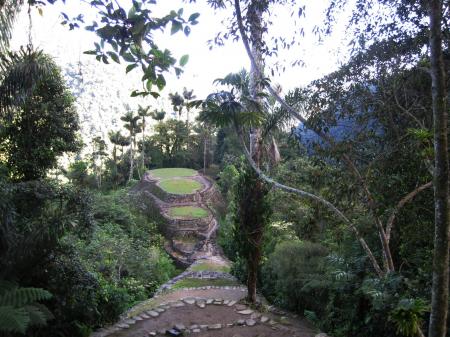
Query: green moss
{"type": "Point", "coordinates": [180, 186]}
{"type": "Point", "coordinates": [196, 282]}
{"type": "Point", "coordinates": [166, 173]}
{"type": "Point", "coordinates": [190, 212]}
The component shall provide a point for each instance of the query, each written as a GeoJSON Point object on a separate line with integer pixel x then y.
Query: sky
{"type": "Point", "coordinates": [204, 65]}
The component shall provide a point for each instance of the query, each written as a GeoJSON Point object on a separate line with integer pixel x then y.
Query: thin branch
{"type": "Point", "coordinates": [407, 198]}
{"type": "Point", "coordinates": [310, 196]}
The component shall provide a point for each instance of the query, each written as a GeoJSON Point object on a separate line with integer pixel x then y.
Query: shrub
{"type": "Point", "coordinates": [294, 275]}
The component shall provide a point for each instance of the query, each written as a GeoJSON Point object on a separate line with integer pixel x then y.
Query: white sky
{"type": "Point", "coordinates": [204, 65]}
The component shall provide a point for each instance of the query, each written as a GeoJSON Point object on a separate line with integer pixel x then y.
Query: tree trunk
{"type": "Point", "coordinates": [254, 18]}
{"type": "Point", "coordinates": [439, 297]}
{"type": "Point", "coordinates": [143, 146]}
{"type": "Point", "coordinates": [135, 146]}
{"type": "Point", "coordinates": [204, 155]}
{"type": "Point", "coordinates": [254, 260]}
{"type": "Point", "coordinates": [131, 160]}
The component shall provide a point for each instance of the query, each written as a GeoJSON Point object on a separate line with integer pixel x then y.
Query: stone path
{"type": "Point", "coordinates": [205, 300]}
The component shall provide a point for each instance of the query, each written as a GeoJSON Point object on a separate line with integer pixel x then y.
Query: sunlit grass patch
{"type": "Point", "coordinates": [190, 212]}
{"type": "Point", "coordinates": [211, 267]}
{"type": "Point", "coordinates": [180, 186]}
{"type": "Point", "coordinates": [197, 282]}
{"type": "Point", "coordinates": [165, 173]}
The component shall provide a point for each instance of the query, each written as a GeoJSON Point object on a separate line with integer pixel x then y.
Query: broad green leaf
{"type": "Point", "coordinates": [128, 57]}
{"type": "Point", "coordinates": [155, 94]}
{"type": "Point", "coordinates": [130, 67]}
{"type": "Point", "coordinates": [176, 26]}
{"type": "Point", "coordinates": [160, 82]}
{"type": "Point", "coordinates": [114, 56]}
{"type": "Point", "coordinates": [149, 85]}
{"type": "Point", "coordinates": [184, 60]}
{"type": "Point", "coordinates": [193, 17]}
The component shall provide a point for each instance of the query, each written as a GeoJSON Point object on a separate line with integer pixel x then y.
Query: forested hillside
{"type": "Point", "coordinates": [256, 210]}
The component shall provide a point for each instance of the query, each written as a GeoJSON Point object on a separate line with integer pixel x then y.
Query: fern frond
{"type": "Point", "coordinates": [38, 313]}
{"type": "Point", "coordinates": [22, 296]}
{"type": "Point", "coordinates": [13, 319]}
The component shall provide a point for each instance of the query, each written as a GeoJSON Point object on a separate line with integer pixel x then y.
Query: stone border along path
{"type": "Point", "coordinates": [206, 310]}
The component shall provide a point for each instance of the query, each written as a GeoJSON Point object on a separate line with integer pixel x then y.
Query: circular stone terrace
{"type": "Point", "coordinates": [190, 222]}
{"type": "Point", "coordinates": [178, 185]}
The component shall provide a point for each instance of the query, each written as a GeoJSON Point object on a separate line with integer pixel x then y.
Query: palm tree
{"type": "Point", "coordinates": [98, 152]}
{"type": "Point", "coordinates": [188, 96]}
{"type": "Point", "coordinates": [133, 127]}
{"type": "Point", "coordinates": [245, 112]}
{"type": "Point", "coordinates": [177, 102]}
{"type": "Point", "coordinates": [115, 138]}
{"type": "Point", "coordinates": [20, 74]}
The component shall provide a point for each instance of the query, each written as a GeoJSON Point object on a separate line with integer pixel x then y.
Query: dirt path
{"type": "Point", "coordinates": [205, 300]}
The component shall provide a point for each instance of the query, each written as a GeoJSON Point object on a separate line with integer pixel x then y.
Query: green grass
{"type": "Point", "coordinates": [166, 173]}
{"type": "Point", "coordinates": [211, 267]}
{"type": "Point", "coordinates": [180, 186]}
{"type": "Point", "coordinates": [190, 212]}
{"type": "Point", "coordinates": [196, 282]}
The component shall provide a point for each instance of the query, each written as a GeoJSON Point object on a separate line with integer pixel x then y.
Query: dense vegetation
{"type": "Point", "coordinates": [329, 190]}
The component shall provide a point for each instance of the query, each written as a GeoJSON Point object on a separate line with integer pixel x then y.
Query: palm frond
{"type": "Point", "coordinates": [278, 119]}
{"type": "Point", "coordinates": [8, 14]}
{"type": "Point", "coordinates": [20, 73]}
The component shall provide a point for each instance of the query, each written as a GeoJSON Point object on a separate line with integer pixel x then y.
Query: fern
{"type": "Point", "coordinates": [21, 296]}
{"type": "Point", "coordinates": [13, 319]}
{"type": "Point", "coordinates": [19, 308]}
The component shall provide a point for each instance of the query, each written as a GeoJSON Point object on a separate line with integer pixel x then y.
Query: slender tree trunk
{"type": "Point", "coordinates": [137, 162]}
{"type": "Point", "coordinates": [254, 18]}
{"type": "Point", "coordinates": [439, 298]}
{"type": "Point", "coordinates": [131, 160]}
{"type": "Point", "coordinates": [143, 146]}
{"type": "Point", "coordinates": [204, 155]}
{"type": "Point", "coordinates": [100, 173]}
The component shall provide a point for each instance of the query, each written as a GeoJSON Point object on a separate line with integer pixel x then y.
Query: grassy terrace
{"type": "Point", "coordinates": [195, 282]}
{"type": "Point", "coordinates": [167, 173]}
{"type": "Point", "coordinates": [211, 267]}
{"type": "Point", "coordinates": [180, 186]}
{"type": "Point", "coordinates": [190, 212]}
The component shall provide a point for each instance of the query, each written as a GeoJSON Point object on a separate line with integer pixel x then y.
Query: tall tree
{"type": "Point", "coordinates": [143, 113]}
{"type": "Point", "coordinates": [257, 191]}
{"type": "Point", "coordinates": [188, 96]}
{"type": "Point", "coordinates": [439, 301]}
{"type": "Point", "coordinates": [98, 153]}
{"type": "Point", "coordinates": [39, 118]}
{"type": "Point", "coordinates": [133, 127]}
{"type": "Point", "coordinates": [115, 139]}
